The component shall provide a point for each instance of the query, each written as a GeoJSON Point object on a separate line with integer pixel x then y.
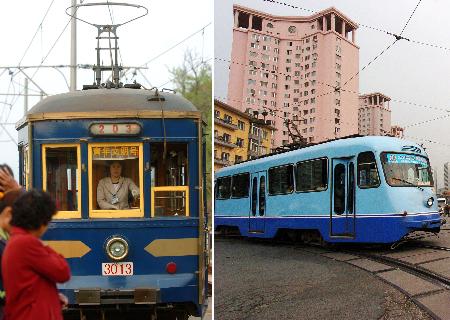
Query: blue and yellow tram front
{"type": "Point", "coordinates": [125, 169]}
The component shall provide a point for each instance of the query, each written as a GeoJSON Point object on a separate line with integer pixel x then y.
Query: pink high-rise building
{"type": "Point", "coordinates": [374, 115]}
{"type": "Point", "coordinates": [300, 68]}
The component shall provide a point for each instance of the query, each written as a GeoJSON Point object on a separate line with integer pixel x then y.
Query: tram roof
{"type": "Point", "coordinates": [338, 147]}
{"type": "Point", "coordinates": [112, 103]}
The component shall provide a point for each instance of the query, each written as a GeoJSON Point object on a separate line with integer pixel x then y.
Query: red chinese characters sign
{"type": "Point", "coordinates": [112, 152]}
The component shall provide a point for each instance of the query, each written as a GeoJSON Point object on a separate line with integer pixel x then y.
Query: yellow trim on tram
{"type": "Point", "coordinates": [63, 214]}
{"type": "Point", "coordinates": [170, 188]}
{"type": "Point", "coordinates": [129, 213]}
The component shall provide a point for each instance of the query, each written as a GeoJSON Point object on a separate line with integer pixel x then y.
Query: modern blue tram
{"type": "Point", "coordinates": [358, 189]}
{"type": "Point", "coordinates": [148, 255]}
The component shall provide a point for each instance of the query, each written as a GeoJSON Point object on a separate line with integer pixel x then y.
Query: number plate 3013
{"type": "Point", "coordinates": [117, 269]}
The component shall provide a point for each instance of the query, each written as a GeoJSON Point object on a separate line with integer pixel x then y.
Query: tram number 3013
{"type": "Point", "coordinates": [117, 269]}
{"type": "Point", "coordinates": [108, 129]}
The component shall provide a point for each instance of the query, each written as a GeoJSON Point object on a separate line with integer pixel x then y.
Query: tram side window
{"type": "Point", "coordinates": [312, 175]}
{"type": "Point", "coordinates": [61, 172]}
{"type": "Point", "coordinates": [169, 179]}
{"type": "Point", "coordinates": [367, 171]}
{"type": "Point", "coordinates": [240, 185]}
{"type": "Point", "coordinates": [223, 188]}
{"type": "Point", "coordinates": [115, 176]}
{"type": "Point", "coordinates": [281, 180]}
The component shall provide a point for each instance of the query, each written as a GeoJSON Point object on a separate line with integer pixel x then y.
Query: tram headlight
{"type": "Point", "coordinates": [430, 201]}
{"type": "Point", "coordinates": [117, 248]}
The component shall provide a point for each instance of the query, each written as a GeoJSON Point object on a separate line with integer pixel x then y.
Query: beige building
{"type": "Point", "coordinates": [374, 115]}
{"type": "Point", "coordinates": [293, 67]}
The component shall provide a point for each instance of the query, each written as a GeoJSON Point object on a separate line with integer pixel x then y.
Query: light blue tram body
{"type": "Point", "coordinates": [378, 214]}
{"type": "Point", "coordinates": [155, 237]}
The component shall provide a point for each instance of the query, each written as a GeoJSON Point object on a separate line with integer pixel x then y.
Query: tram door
{"type": "Point", "coordinates": [257, 202]}
{"type": "Point", "coordinates": [342, 216]}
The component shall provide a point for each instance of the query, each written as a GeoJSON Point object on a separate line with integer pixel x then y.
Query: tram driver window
{"type": "Point", "coordinates": [367, 171]}
{"type": "Point", "coordinates": [170, 179]}
{"type": "Point", "coordinates": [115, 177]}
{"type": "Point", "coordinates": [61, 176]}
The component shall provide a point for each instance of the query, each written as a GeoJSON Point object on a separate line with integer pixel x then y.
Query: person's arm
{"type": "Point", "coordinates": [133, 187]}
{"type": "Point", "coordinates": [45, 261]}
{"type": "Point", "coordinates": [101, 198]}
{"type": "Point", "coordinates": [7, 182]}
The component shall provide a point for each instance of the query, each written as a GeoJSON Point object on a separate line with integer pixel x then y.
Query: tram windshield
{"type": "Point", "coordinates": [404, 170]}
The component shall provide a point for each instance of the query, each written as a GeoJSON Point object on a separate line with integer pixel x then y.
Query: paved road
{"type": "Point", "coordinates": [258, 280]}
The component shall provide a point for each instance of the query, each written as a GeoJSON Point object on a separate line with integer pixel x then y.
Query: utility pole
{"type": "Point", "coordinates": [73, 48]}
{"type": "Point", "coordinates": [25, 98]}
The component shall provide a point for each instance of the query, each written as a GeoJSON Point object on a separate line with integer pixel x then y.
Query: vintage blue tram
{"type": "Point", "coordinates": [359, 189]}
{"type": "Point", "coordinates": [150, 256]}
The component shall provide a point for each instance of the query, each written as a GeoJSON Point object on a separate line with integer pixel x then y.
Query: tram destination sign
{"type": "Point", "coordinates": [115, 129]}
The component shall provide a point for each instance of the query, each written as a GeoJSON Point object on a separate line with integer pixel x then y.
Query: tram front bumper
{"type": "Point", "coordinates": [97, 296]}
{"type": "Point", "coordinates": [425, 224]}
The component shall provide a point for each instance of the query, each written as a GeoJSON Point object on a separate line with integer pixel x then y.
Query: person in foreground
{"type": "Point", "coordinates": [30, 268]}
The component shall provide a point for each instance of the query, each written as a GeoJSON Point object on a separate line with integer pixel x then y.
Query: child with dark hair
{"type": "Point", "coordinates": [30, 268]}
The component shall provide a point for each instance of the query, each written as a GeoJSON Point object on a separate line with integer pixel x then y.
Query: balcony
{"type": "Point", "coordinates": [222, 162]}
{"type": "Point", "coordinates": [219, 141]}
{"type": "Point", "coordinates": [253, 154]}
{"type": "Point", "coordinates": [254, 137]}
{"type": "Point", "coordinates": [225, 124]}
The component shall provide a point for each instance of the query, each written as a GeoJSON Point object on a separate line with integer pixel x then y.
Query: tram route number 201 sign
{"type": "Point", "coordinates": [117, 269]}
{"type": "Point", "coordinates": [115, 129]}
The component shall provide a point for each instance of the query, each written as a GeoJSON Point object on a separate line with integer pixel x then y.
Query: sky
{"type": "Point", "coordinates": [415, 76]}
{"type": "Point", "coordinates": [167, 23]}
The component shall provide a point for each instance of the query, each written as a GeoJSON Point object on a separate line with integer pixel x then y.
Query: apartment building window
{"type": "Point", "coordinates": [227, 118]}
{"type": "Point", "coordinates": [226, 137]}
{"type": "Point", "coordinates": [286, 86]}
{"type": "Point", "coordinates": [296, 81]}
{"type": "Point", "coordinates": [305, 93]}
{"type": "Point", "coordinates": [297, 73]}
{"type": "Point", "coordinates": [288, 60]}
{"type": "Point", "coordinates": [251, 92]}
{"type": "Point", "coordinates": [287, 95]}
{"type": "Point", "coordinates": [286, 104]}
{"type": "Point", "coordinates": [296, 90]}
{"type": "Point", "coordinates": [252, 63]}
{"type": "Point", "coordinates": [265, 75]}
{"type": "Point", "coordinates": [313, 82]}
{"type": "Point", "coordinates": [251, 82]}
{"type": "Point", "coordinates": [305, 102]}
{"type": "Point", "coordinates": [313, 65]}
{"type": "Point", "coordinates": [307, 57]}
{"type": "Point", "coordinates": [288, 69]}
{"type": "Point", "coordinates": [264, 84]}
{"type": "Point", "coordinates": [275, 59]}
{"type": "Point", "coordinates": [252, 72]}
{"type": "Point", "coordinates": [313, 91]}
{"type": "Point", "coordinates": [312, 110]}
{"type": "Point", "coordinates": [306, 84]}
{"type": "Point", "coordinates": [266, 48]}
{"type": "Point", "coordinates": [338, 75]}
{"type": "Point", "coordinates": [304, 130]}
{"type": "Point", "coordinates": [274, 77]}
{"type": "Point", "coordinates": [225, 156]}
{"type": "Point", "coordinates": [338, 57]}
{"type": "Point", "coordinates": [265, 57]}
{"type": "Point", "coordinates": [311, 129]}
{"type": "Point", "coordinates": [266, 38]}
{"type": "Point", "coordinates": [338, 66]}
{"type": "Point", "coordinates": [297, 65]}
{"type": "Point", "coordinates": [307, 40]}
{"type": "Point", "coordinates": [313, 100]}
{"type": "Point", "coordinates": [288, 52]}
{"type": "Point", "coordinates": [276, 50]}
{"type": "Point", "coordinates": [277, 41]}
{"type": "Point", "coordinates": [337, 130]}
{"type": "Point", "coordinates": [255, 37]}
{"type": "Point", "coordinates": [254, 45]}
{"type": "Point", "coordinates": [308, 48]}
{"type": "Point", "coordinates": [240, 142]}
{"type": "Point", "coordinates": [274, 85]}
{"type": "Point", "coordinates": [273, 103]}
{"type": "Point", "coordinates": [288, 78]}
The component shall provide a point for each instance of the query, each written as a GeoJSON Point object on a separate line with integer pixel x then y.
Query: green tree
{"type": "Point", "coordinates": [193, 80]}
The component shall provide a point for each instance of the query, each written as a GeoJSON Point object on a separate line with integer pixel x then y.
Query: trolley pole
{"type": "Point", "coordinates": [73, 49]}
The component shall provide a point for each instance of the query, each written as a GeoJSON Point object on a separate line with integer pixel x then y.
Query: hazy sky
{"type": "Point", "coordinates": [167, 23]}
{"type": "Point", "coordinates": [407, 72]}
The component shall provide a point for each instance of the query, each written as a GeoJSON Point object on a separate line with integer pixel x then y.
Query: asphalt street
{"type": "Point", "coordinates": [263, 280]}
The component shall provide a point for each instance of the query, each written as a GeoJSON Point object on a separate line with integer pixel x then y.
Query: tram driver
{"type": "Point", "coordinates": [115, 192]}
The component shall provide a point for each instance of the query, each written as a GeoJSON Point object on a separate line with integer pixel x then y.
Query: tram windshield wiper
{"type": "Point", "coordinates": [407, 182]}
